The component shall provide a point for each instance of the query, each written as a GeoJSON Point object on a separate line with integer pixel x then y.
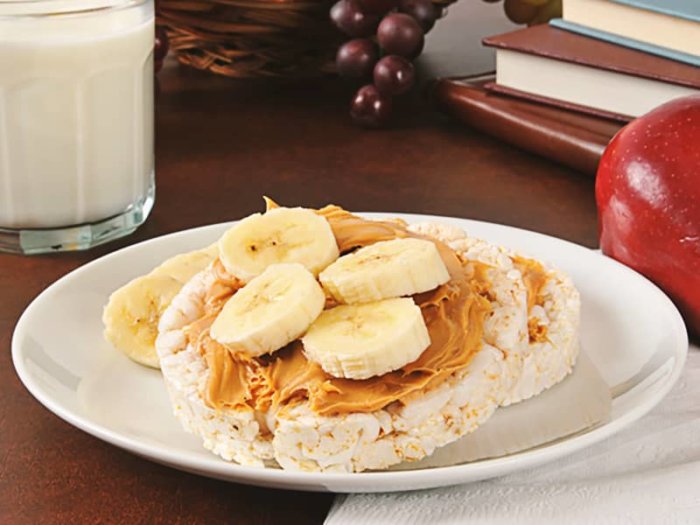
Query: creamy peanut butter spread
{"type": "Point", "coordinates": [454, 314]}
{"type": "Point", "coordinates": [534, 277]}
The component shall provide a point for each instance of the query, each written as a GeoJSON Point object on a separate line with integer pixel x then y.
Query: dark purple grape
{"type": "Point", "coordinates": [370, 108]}
{"type": "Point", "coordinates": [399, 34]}
{"type": "Point", "coordinates": [160, 48]}
{"type": "Point", "coordinates": [356, 58]}
{"type": "Point", "coordinates": [394, 75]}
{"type": "Point", "coordinates": [377, 7]}
{"type": "Point", "coordinates": [520, 12]}
{"type": "Point", "coordinates": [349, 18]}
{"type": "Point", "coordinates": [423, 11]}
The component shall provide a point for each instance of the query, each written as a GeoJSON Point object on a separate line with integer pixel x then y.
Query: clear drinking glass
{"type": "Point", "coordinates": [76, 122]}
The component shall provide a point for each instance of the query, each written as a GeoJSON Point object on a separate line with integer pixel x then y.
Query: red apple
{"type": "Point", "coordinates": [648, 195]}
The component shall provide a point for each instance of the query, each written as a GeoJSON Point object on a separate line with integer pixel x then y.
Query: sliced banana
{"type": "Point", "coordinates": [133, 311]}
{"type": "Point", "coordinates": [362, 341]}
{"type": "Point", "coordinates": [182, 267]}
{"type": "Point", "coordinates": [270, 311]}
{"type": "Point", "coordinates": [386, 269]}
{"type": "Point", "coordinates": [281, 235]}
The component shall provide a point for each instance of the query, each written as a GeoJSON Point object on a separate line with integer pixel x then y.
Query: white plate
{"type": "Point", "coordinates": [630, 330]}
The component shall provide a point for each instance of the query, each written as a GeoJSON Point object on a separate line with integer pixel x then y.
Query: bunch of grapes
{"type": "Point", "coordinates": [386, 35]}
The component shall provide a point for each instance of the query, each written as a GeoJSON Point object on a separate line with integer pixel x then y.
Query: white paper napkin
{"type": "Point", "coordinates": [648, 473]}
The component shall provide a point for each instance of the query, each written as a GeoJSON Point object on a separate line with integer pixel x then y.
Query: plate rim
{"type": "Point", "coordinates": [380, 481]}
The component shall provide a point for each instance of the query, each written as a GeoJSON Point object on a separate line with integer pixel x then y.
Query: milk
{"type": "Point", "coordinates": [76, 113]}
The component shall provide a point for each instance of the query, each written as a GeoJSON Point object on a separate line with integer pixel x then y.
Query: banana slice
{"type": "Point", "coordinates": [361, 341]}
{"type": "Point", "coordinates": [385, 269]}
{"type": "Point", "coordinates": [182, 267]}
{"type": "Point", "coordinates": [132, 313]}
{"type": "Point", "coordinates": [281, 235]}
{"type": "Point", "coordinates": [270, 311]}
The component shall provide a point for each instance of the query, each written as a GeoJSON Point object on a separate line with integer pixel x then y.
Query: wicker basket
{"type": "Point", "coordinates": [254, 38]}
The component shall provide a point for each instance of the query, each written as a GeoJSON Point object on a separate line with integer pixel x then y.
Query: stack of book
{"type": "Point", "coordinates": [602, 64]}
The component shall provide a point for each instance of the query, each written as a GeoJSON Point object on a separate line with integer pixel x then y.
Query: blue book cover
{"type": "Point", "coordinates": [628, 42]}
{"type": "Point", "coordinates": [689, 9]}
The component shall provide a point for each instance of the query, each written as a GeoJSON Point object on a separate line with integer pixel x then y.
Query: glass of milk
{"type": "Point", "coordinates": [76, 122]}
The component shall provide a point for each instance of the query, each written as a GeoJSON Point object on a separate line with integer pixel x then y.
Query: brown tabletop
{"type": "Point", "coordinates": [220, 146]}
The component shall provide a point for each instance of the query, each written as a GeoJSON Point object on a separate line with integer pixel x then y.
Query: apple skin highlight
{"type": "Point", "coordinates": [648, 196]}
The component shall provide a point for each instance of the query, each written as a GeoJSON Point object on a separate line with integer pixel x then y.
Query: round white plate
{"type": "Point", "coordinates": [630, 331]}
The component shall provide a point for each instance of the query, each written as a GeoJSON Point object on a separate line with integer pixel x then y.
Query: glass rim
{"type": "Point", "coordinates": [50, 8]}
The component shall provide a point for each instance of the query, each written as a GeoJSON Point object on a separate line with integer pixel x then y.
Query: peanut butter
{"type": "Point", "coordinates": [534, 277]}
{"type": "Point", "coordinates": [454, 314]}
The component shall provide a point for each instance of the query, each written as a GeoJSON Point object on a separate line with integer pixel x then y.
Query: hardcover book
{"type": "Point", "coordinates": [639, 45]}
{"type": "Point", "coordinates": [558, 65]}
{"type": "Point", "coordinates": [670, 24]}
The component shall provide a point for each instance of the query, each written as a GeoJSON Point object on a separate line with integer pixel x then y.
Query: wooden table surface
{"type": "Point", "coordinates": [220, 146]}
